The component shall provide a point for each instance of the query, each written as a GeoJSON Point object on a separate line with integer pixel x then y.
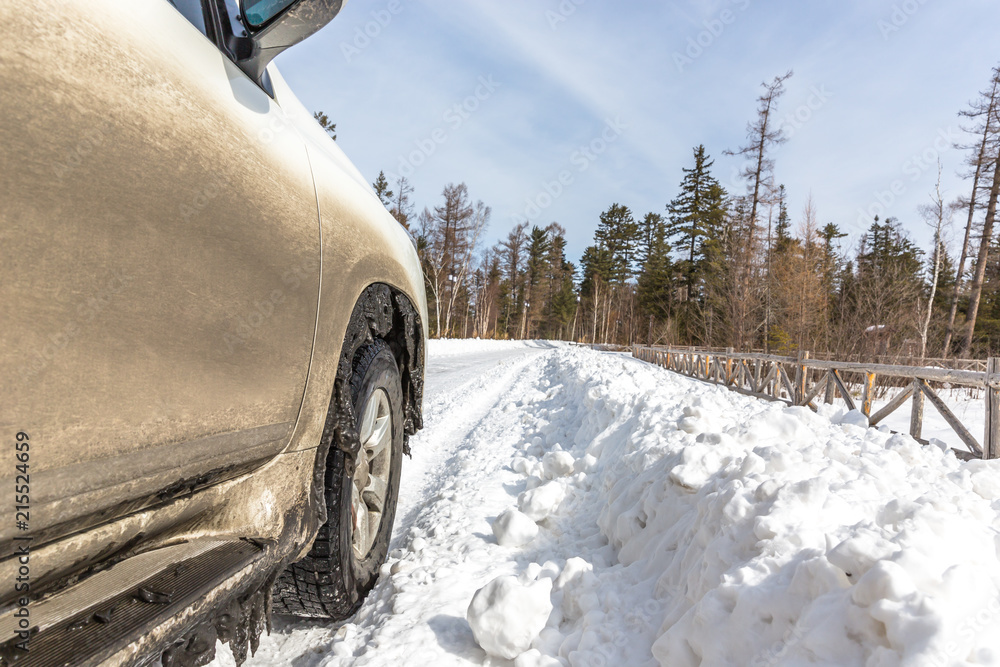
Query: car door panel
{"type": "Point", "coordinates": [160, 260]}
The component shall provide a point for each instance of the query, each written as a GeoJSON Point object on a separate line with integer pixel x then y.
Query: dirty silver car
{"type": "Point", "coordinates": [212, 343]}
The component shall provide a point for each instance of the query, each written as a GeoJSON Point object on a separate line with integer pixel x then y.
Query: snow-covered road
{"type": "Point", "coordinates": [650, 519]}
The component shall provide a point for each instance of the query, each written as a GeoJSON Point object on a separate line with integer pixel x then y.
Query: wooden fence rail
{"type": "Point", "coordinates": [801, 381]}
{"type": "Point", "coordinates": [884, 359]}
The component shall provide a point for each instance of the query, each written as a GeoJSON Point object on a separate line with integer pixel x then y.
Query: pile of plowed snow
{"type": "Point", "coordinates": [743, 532]}
{"type": "Point", "coordinates": [607, 512]}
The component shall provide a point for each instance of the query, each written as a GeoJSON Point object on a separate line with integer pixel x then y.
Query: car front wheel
{"type": "Point", "coordinates": [343, 565]}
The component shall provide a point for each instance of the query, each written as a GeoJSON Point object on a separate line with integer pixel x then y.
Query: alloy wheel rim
{"type": "Point", "coordinates": [370, 482]}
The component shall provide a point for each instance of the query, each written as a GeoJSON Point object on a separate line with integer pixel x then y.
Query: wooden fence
{"type": "Point", "coordinates": [951, 363]}
{"type": "Point", "coordinates": [803, 381]}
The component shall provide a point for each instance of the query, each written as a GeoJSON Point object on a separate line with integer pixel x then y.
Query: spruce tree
{"type": "Point", "coordinates": [832, 267]}
{"type": "Point", "coordinates": [886, 250]}
{"type": "Point", "coordinates": [325, 122]}
{"type": "Point", "coordinates": [783, 229]}
{"type": "Point", "coordinates": [560, 306]}
{"type": "Point", "coordinates": [650, 227]}
{"type": "Point", "coordinates": [619, 234]}
{"type": "Point", "coordinates": [381, 187]}
{"type": "Point", "coordinates": [695, 215]}
{"type": "Point", "coordinates": [596, 267]}
{"type": "Point", "coordinates": [656, 285]}
{"type": "Point", "coordinates": [946, 278]}
{"type": "Point", "coordinates": [887, 287]}
{"type": "Point", "coordinates": [538, 248]}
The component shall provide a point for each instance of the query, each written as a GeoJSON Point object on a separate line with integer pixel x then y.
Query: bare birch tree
{"type": "Point", "coordinates": [937, 215]}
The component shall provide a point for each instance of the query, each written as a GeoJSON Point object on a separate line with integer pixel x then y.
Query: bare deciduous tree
{"type": "Point", "coordinates": [400, 205]}
{"type": "Point", "coordinates": [937, 215]}
{"type": "Point", "coordinates": [978, 161]}
{"type": "Point", "coordinates": [449, 235]}
{"type": "Point", "coordinates": [991, 113]}
{"type": "Point", "coordinates": [762, 135]}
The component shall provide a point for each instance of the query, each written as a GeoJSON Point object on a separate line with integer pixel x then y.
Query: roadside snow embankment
{"type": "Point", "coordinates": [743, 532]}
{"type": "Point", "coordinates": [567, 508]}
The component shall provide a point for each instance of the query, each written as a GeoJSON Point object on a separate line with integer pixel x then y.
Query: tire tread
{"type": "Point", "coordinates": [313, 587]}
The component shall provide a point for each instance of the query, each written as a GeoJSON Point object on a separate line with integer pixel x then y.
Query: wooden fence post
{"type": "Point", "coordinates": [831, 387]}
{"type": "Point", "coordinates": [801, 379]}
{"type": "Point", "coordinates": [868, 395]}
{"type": "Point", "coordinates": [991, 441]}
{"type": "Point", "coordinates": [917, 411]}
{"type": "Point", "coordinates": [729, 366]}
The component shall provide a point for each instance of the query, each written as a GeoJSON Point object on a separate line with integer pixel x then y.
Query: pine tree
{"type": "Point", "coordinates": [650, 226]}
{"type": "Point", "coordinates": [619, 234]}
{"type": "Point", "coordinates": [783, 229]}
{"type": "Point", "coordinates": [596, 267]}
{"type": "Point", "coordinates": [381, 187]}
{"type": "Point", "coordinates": [511, 293]}
{"type": "Point", "coordinates": [560, 306]}
{"type": "Point", "coordinates": [830, 234]}
{"type": "Point", "coordinates": [886, 249]}
{"type": "Point", "coordinates": [695, 215]}
{"type": "Point", "coordinates": [988, 323]}
{"type": "Point", "coordinates": [887, 286]}
{"type": "Point", "coordinates": [539, 246]}
{"type": "Point", "coordinates": [656, 281]}
{"type": "Point", "coordinates": [324, 122]}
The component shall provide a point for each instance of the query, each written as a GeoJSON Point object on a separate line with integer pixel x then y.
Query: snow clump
{"type": "Point", "coordinates": [506, 615]}
{"type": "Point", "coordinates": [542, 501]}
{"type": "Point", "coordinates": [514, 529]}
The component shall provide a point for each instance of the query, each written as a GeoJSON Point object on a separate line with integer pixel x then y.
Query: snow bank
{"type": "Point", "coordinates": [742, 532]}
{"type": "Point", "coordinates": [640, 518]}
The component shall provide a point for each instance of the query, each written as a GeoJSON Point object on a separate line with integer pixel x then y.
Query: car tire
{"type": "Point", "coordinates": [350, 548]}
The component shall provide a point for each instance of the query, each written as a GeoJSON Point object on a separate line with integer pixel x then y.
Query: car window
{"type": "Point", "coordinates": [259, 12]}
{"type": "Point", "coordinates": [193, 11]}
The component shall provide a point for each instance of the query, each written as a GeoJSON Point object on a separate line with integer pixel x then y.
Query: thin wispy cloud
{"type": "Point", "coordinates": [891, 93]}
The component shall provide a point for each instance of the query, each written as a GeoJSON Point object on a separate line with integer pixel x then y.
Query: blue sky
{"type": "Point", "coordinates": [511, 96]}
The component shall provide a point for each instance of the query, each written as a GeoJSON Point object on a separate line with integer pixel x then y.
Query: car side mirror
{"type": "Point", "coordinates": [275, 25]}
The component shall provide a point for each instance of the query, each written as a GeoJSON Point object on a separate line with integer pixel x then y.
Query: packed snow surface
{"type": "Point", "coordinates": [570, 507]}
